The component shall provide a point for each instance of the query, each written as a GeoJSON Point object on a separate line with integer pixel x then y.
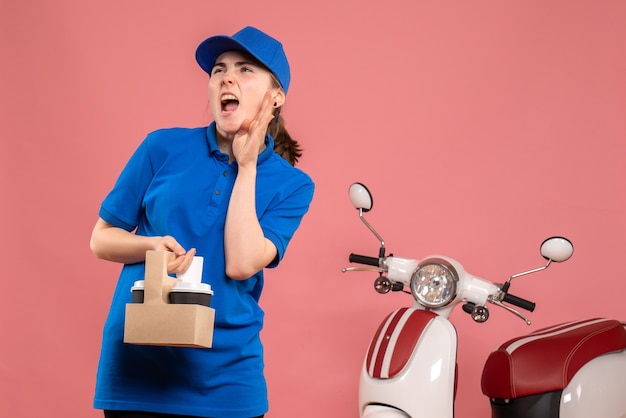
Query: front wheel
{"type": "Point", "coordinates": [381, 411]}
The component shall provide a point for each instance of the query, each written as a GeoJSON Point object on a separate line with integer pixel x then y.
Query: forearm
{"type": "Point", "coordinates": [116, 244]}
{"type": "Point", "coordinates": [247, 250]}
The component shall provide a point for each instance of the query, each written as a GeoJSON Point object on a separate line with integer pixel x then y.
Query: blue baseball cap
{"type": "Point", "coordinates": [251, 40]}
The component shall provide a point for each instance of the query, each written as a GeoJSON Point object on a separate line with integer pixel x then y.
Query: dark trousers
{"type": "Point", "coordinates": [137, 414]}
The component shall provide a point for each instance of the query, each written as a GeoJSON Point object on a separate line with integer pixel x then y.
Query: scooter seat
{"type": "Point", "coordinates": [547, 359]}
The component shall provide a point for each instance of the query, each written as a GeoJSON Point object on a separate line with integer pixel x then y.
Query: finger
{"type": "Point", "coordinates": [181, 263]}
{"type": "Point", "coordinates": [174, 266]}
{"type": "Point", "coordinates": [172, 245]}
{"type": "Point", "coordinates": [244, 128]}
{"type": "Point", "coordinates": [187, 260]}
{"type": "Point", "coordinates": [264, 116]}
{"type": "Point", "coordinates": [268, 108]}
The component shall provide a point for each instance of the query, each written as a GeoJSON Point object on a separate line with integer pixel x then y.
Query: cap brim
{"type": "Point", "coordinates": [213, 47]}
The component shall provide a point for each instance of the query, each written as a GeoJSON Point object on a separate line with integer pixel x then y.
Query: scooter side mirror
{"type": "Point", "coordinates": [362, 200]}
{"type": "Point", "coordinates": [361, 197]}
{"type": "Point", "coordinates": [557, 249]}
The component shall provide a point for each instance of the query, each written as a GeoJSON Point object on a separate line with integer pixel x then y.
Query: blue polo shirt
{"type": "Point", "coordinates": [179, 183]}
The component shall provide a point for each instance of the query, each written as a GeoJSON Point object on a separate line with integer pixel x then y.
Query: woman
{"type": "Point", "coordinates": [227, 192]}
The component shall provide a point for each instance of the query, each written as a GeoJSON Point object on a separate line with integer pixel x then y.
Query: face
{"type": "Point", "coordinates": [237, 87]}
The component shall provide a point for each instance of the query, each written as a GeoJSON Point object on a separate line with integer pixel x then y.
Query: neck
{"type": "Point", "coordinates": [225, 144]}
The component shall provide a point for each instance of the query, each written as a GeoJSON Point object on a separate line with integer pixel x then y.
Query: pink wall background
{"type": "Point", "coordinates": [481, 127]}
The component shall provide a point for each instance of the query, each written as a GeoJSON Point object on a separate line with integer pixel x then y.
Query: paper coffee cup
{"type": "Point", "coordinates": [191, 293]}
{"type": "Point", "coordinates": [194, 272]}
{"type": "Point", "coordinates": [138, 291]}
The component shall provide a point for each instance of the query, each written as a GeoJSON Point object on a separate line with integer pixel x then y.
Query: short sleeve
{"type": "Point", "coordinates": [122, 207]}
{"type": "Point", "coordinates": [281, 219]}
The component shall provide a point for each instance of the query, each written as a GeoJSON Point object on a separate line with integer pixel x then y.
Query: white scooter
{"type": "Point", "coordinates": [573, 370]}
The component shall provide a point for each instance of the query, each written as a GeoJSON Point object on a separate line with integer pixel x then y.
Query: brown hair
{"type": "Point", "coordinates": [284, 144]}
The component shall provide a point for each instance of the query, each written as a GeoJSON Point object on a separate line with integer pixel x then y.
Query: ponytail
{"type": "Point", "coordinates": [284, 144]}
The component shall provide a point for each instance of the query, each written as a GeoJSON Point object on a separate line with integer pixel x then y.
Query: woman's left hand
{"type": "Point", "coordinates": [250, 139]}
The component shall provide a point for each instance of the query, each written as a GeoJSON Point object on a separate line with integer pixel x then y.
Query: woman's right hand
{"type": "Point", "coordinates": [183, 258]}
{"type": "Point", "coordinates": [111, 243]}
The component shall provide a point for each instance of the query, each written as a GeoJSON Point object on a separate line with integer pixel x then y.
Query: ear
{"type": "Point", "coordinates": [279, 100]}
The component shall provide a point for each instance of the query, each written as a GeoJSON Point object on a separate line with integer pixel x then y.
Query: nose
{"type": "Point", "coordinates": [227, 78]}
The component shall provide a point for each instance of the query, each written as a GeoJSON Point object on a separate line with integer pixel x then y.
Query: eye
{"type": "Point", "coordinates": [216, 70]}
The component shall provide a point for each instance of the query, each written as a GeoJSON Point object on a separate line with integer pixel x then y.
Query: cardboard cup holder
{"type": "Point", "coordinates": [167, 311]}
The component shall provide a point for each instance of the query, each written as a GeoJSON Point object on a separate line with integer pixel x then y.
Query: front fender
{"type": "Point", "coordinates": [410, 366]}
{"type": "Point", "coordinates": [380, 411]}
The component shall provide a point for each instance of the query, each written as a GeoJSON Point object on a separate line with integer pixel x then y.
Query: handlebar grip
{"type": "Point", "coordinates": [517, 301]}
{"type": "Point", "coordinates": [363, 259]}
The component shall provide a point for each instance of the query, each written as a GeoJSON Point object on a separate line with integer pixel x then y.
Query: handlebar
{"type": "Point", "coordinates": [363, 259]}
{"type": "Point", "coordinates": [517, 301]}
{"type": "Point", "coordinates": [509, 298]}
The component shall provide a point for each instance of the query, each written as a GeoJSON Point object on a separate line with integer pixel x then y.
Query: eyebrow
{"type": "Point", "coordinates": [237, 64]}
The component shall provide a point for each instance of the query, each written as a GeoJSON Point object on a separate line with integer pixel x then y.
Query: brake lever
{"type": "Point", "coordinates": [496, 302]}
{"type": "Point", "coordinates": [376, 269]}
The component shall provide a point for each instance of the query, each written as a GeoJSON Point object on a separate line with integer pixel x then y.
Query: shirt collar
{"type": "Point", "coordinates": [215, 152]}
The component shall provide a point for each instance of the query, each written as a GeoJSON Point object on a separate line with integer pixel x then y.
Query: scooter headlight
{"type": "Point", "coordinates": [434, 283]}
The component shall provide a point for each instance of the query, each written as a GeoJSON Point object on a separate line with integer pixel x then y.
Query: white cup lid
{"type": "Point", "coordinates": [192, 287]}
{"type": "Point", "coordinates": [138, 285]}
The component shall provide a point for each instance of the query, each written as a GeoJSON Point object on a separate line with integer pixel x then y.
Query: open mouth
{"type": "Point", "coordinates": [229, 103]}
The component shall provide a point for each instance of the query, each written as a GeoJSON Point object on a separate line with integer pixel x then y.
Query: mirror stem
{"type": "Point", "coordinates": [381, 253]}
{"type": "Point", "coordinates": [505, 287]}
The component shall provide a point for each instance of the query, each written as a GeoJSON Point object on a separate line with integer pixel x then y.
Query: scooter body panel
{"type": "Point", "coordinates": [428, 372]}
{"type": "Point", "coordinates": [571, 370]}
{"type": "Point", "coordinates": [597, 389]}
